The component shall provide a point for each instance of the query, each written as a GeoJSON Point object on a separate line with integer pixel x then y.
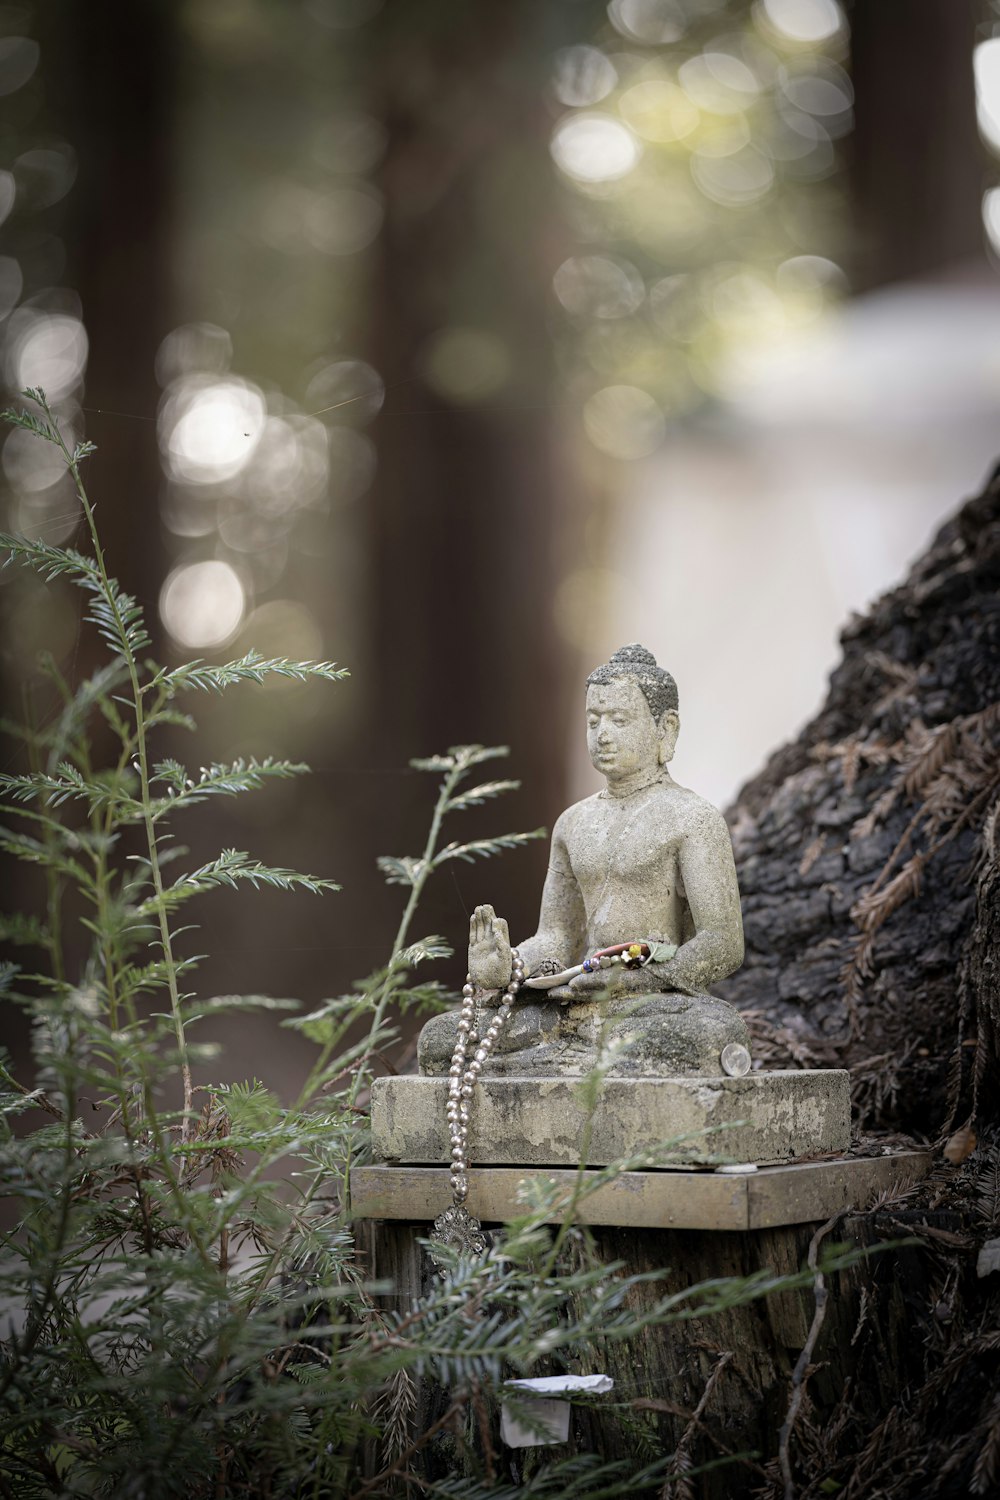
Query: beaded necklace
{"type": "Point", "coordinates": [456, 1227]}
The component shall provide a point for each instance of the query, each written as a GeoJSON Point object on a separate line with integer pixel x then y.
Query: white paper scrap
{"type": "Point", "coordinates": [563, 1385]}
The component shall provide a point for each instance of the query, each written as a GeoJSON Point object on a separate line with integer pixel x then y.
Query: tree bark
{"type": "Point", "coordinates": [872, 941]}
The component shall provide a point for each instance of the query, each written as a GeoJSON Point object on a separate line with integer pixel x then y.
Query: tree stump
{"type": "Point", "coordinates": [715, 1392]}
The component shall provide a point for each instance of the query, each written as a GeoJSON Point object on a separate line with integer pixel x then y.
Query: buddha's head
{"type": "Point", "coordinates": [632, 718]}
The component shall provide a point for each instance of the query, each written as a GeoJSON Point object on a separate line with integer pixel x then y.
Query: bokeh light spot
{"type": "Point", "coordinates": [734, 181]}
{"type": "Point", "coordinates": [594, 148]}
{"type": "Point", "coordinates": [648, 21]}
{"type": "Point", "coordinates": [986, 65]}
{"type": "Point", "coordinates": [52, 515]}
{"type": "Point", "coordinates": [991, 217]}
{"type": "Point", "coordinates": [289, 468]}
{"type": "Point", "coordinates": [345, 390]}
{"type": "Point", "coordinates": [31, 465]}
{"type": "Point", "coordinates": [658, 110]}
{"type": "Point", "coordinates": [718, 82]}
{"type": "Point", "coordinates": [820, 88]}
{"type": "Point", "coordinates": [595, 286]}
{"type": "Point", "coordinates": [202, 348]}
{"type": "Point", "coordinates": [8, 194]}
{"type": "Point", "coordinates": [210, 429]}
{"type": "Point", "coordinates": [466, 364]}
{"type": "Point", "coordinates": [624, 422]}
{"type": "Point", "coordinates": [804, 20]}
{"type": "Point", "coordinates": [673, 306]}
{"type": "Point", "coordinates": [18, 60]}
{"type": "Point", "coordinates": [46, 349]}
{"type": "Point", "coordinates": [45, 175]}
{"type": "Point", "coordinates": [746, 307]}
{"type": "Point", "coordinates": [187, 511]}
{"type": "Point", "coordinates": [809, 272]}
{"type": "Point", "coordinates": [202, 604]}
{"type": "Point", "coordinates": [582, 75]}
{"type": "Point", "coordinates": [721, 135]}
{"type": "Point", "coordinates": [343, 220]}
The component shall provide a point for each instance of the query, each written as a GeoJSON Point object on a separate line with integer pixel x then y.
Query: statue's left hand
{"type": "Point", "coordinates": [616, 981]}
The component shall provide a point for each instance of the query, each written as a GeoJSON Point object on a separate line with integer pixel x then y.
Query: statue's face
{"type": "Point", "coordinates": [622, 735]}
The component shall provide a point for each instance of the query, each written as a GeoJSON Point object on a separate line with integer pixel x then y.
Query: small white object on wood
{"type": "Point", "coordinates": [538, 1418]}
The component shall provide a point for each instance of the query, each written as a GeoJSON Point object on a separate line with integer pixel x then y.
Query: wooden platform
{"type": "Point", "coordinates": [801, 1193]}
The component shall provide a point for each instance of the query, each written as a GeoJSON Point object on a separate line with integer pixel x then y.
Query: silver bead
{"type": "Point", "coordinates": [466, 1090]}
{"type": "Point", "coordinates": [468, 991]}
{"type": "Point", "coordinates": [481, 1054]}
{"type": "Point", "coordinates": [463, 1116]}
{"type": "Point", "coordinates": [464, 1024]}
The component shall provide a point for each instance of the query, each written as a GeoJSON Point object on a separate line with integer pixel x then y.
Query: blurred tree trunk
{"type": "Point", "coordinates": [111, 77]}
{"type": "Point", "coordinates": [466, 507]}
{"type": "Point", "coordinates": [916, 163]}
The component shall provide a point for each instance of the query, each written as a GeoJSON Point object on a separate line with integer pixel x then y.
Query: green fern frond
{"type": "Point", "coordinates": [253, 667]}
{"type": "Point", "coordinates": [230, 868]}
{"type": "Point", "coordinates": [218, 780]}
{"type": "Point", "coordinates": [423, 949]}
{"type": "Point", "coordinates": [23, 931]}
{"type": "Point", "coordinates": [486, 848]}
{"type": "Point", "coordinates": [461, 758]}
{"type": "Point", "coordinates": [405, 870]}
{"type": "Point", "coordinates": [477, 795]}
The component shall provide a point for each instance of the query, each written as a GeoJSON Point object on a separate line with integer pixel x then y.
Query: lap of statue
{"type": "Point", "coordinates": [652, 1035]}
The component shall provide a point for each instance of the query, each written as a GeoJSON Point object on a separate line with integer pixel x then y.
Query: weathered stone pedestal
{"type": "Point", "coordinates": [686, 1220]}
{"type": "Point", "coordinates": [528, 1122]}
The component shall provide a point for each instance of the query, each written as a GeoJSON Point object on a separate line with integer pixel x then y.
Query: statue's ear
{"type": "Point", "coordinates": [670, 724]}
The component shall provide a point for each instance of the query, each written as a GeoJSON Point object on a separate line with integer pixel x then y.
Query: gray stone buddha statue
{"type": "Point", "coordinates": [643, 862]}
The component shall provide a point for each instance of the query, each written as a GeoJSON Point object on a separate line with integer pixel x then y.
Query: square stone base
{"type": "Point", "coordinates": [761, 1118]}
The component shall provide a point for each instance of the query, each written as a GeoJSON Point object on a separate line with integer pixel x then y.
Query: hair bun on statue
{"type": "Point", "coordinates": [632, 657]}
{"type": "Point", "coordinates": [658, 687]}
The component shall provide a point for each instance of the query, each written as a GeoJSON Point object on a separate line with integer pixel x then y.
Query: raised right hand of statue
{"type": "Point", "coordinates": [489, 950]}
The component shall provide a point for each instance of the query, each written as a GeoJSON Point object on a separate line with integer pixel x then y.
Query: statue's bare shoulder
{"type": "Point", "coordinates": [577, 815]}
{"type": "Point", "coordinates": [681, 811]}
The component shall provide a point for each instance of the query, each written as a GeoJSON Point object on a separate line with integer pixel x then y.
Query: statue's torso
{"type": "Point", "coordinates": [625, 858]}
